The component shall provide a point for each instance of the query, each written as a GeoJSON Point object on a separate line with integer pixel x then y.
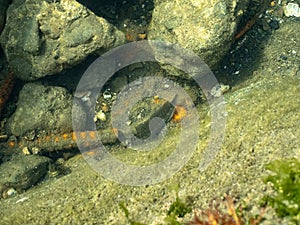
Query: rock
{"type": "Point", "coordinates": [44, 37]}
{"type": "Point", "coordinates": [205, 27]}
{"type": "Point", "coordinates": [21, 173]}
{"type": "Point", "coordinates": [291, 9]}
{"type": "Point", "coordinates": [42, 108]}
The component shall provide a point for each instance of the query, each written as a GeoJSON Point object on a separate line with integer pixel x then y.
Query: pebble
{"type": "Point", "coordinates": [10, 192]}
{"type": "Point", "coordinates": [26, 151]}
{"type": "Point", "coordinates": [107, 94]}
{"type": "Point", "coordinates": [274, 24]}
{"type": "Point", "coordinates": [100, 115]}
{"type": "Point", "coordinates": [35, 150]}
{"type": "Point", "coordinates": [218, 90]}
{"type": "Point", "coordinates": [291, 9]}
{"type": "Point", "coordinates": [283, 57]}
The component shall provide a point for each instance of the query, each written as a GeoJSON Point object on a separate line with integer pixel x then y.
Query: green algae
{"type": "Point", "coordinates": [286, 182]}
{"type": "Point", "coordinates": [125, 210]}
{"type": "Point", "coordinates": [177, 209]}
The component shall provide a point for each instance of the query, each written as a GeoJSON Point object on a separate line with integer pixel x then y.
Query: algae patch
{"type": "Point", "coordinates": [286, 182]}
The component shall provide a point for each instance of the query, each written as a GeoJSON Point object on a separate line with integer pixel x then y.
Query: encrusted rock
{"type": "Point", "coordinates": [205, 27]}
{"type": "Point", "coordinates": [42, 108]}
{"type": "Point", "coordinates": [44, 37]}
{"type": "Point", "coordinates": [21, 173]}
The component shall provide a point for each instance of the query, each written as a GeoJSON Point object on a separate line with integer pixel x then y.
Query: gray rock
{"type": "Point", "coordinates": [21, 173]}
{"type": "Point", "coordinates": [42, 108]}
{"type": "Point", "coordinates": [44, 37]}
{"type": "Point", "coordinates": [205, 27]}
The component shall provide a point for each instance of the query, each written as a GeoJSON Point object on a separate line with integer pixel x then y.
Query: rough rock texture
{"type": "Point", "coordinates": [22, 172]}
{"type": "Point", "coordinates": [206, 27]}
{"type": "Point", "coordinates": [42, 108]}
{"type": "Point", "coordinates": [44, 37]}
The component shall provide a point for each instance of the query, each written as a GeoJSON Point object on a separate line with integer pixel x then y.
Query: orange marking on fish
{"type": "Point", "coordinates": [56, 139]}
{"type": "Point", "coordinates": [93, 135]}
{"type": "Point", "coordinates": [73, 134]}
{"type": "Point", "coordinates": [179, 114]}
{"type": "Point", "coordinates": [90, 153]}
{"type": "Point", "coordinates": [156, 99]}
{"type": "Point", "coordinates": [47, 138]}
{"type": "Point", "coordinates": [82, 134]}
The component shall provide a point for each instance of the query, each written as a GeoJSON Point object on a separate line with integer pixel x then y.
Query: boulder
{"type": "Point", "coordinates": [44, 37]}
{"type": "Point", "coordinates": [41, 108]}
{"type": "Point", "coordinates": [21, 173]}
{"type": "Point", "coordinates": [205, 27]}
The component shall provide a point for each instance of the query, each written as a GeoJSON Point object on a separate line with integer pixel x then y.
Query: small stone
{"type": "Point", "coordinates": [107, 94]}
{"type": "Point", "coordinates": [224, 88]}
{"type": "Point", "coordinates": [104, 107]}
{"type": "Point", "coordinates": [10, 192]}
{"type": "Point", "coordinates": [95, 119]}
{"type": "Point", "coordinates": [30, 135]}
{"type": "Point", "coordinates": [283, 57]}
{"type": "Point", "coordinates": [101, 116]}
{"type": "Point", "coordinates": [35, 150]}
{"type": "Point", "coordinates": [60, 161]}
{"type": "Point", "coordinates": [26, 151]}
{"type": "Point", "coordinates": [274, 24]}
{"type": "Point", "coordinates": [265, 25]}
{"type": "Point", "coordinates": [291, 9]}
{"type": "Point", "coordinates": [218, 90]}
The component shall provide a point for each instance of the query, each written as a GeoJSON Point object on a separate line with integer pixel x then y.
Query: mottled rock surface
{"type": "Point", "coordinates": [206, 27]}
{"type": "Point", "coordinates": [44, 37]}
{"type": "Point", "coordinates": [42, 108]}
{"type": "Point", "coordinates": [22, 172]}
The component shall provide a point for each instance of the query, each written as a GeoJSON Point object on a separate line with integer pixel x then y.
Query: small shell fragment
{"type": "Point", "coordinates": [101, 116]}
{"type": "Point", "coordinates": [26, 151]}
{"type": "Point", "coordinates": [35, 150]}
{"type": "Point", "coordinates": [291, 9]}
{"type": "Point", "coordinates": [107, 94]}
{"type": "Point", "coordinates": [11, 192]}
{"type": "Point", "coordinates": [104, 107]}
